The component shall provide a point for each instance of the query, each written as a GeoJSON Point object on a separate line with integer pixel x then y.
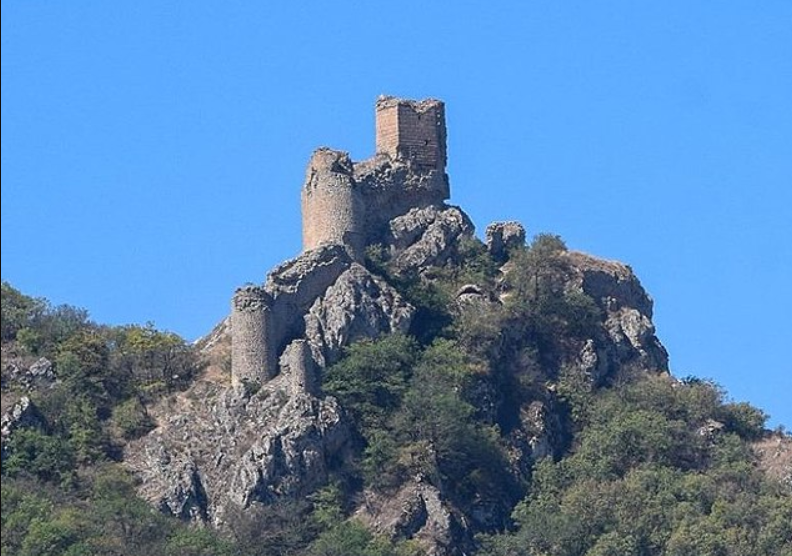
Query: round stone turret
{"type": "Point", "coordinates": [332, 209]}
{"type": "Point", "coordinates": [253, 358]}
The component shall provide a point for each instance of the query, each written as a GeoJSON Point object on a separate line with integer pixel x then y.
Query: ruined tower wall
{"type": "Point", "coordinates": [414, 130]}
{"type": "Point", "coordinates": [252, 350]}
{"type": "Point", "coordinates": [332, 209]}
{"type": "Point", "coordinates": [298, 362]}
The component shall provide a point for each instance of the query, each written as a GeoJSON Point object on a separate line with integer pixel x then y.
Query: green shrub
{"type": "Point", "coordinates": [49, 458]}
{"type": "Point", "coordinates": [131, 419]}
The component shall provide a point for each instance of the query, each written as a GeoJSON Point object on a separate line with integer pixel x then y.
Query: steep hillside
{"type": "Point", "coordinates": [399, 387]}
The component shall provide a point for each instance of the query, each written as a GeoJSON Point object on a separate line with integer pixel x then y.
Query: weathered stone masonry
{"type": "Point", "coordinates": [348, 203]}
{"type": "Point", "coordinates": [344, 204]}
{"type": "Point", "coordinates": [252, 354]}
{"type": "Point", "coordinates": [412, 130]}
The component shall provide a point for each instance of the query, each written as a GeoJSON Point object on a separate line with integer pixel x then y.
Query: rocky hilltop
{"type": "Point", "coordinates": [400, 387]}
{"type": "Point", "coordinates": [267, 430]}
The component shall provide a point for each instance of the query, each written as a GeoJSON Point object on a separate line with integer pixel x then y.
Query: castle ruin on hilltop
{"type": "Point", "coordinates": [348, 203]}
{"type": "Point", "coordinates": [346, 206]}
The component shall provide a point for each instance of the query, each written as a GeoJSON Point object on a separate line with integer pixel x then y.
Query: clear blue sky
{"type": "Point", "coordinates": [152, 152]}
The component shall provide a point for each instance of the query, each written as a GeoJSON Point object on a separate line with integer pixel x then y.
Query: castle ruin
{"type": "Point", "coordinates": [346, 206]}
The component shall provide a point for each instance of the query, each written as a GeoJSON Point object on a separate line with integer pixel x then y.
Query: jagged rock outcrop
{"type": "Point", "coordinates": [502, 237]}
{"type": "Point", "coordinates": [425, 237]}
{"type": "Point", "coordinates": [297, 283]}
{"type": "Point", "coordinates": [417, 511]}
{"type": "Point", "coordinates": [216, 447]}
{"type": "Point", "coordinates": [29, 373]}
{"type": "Point", "coordinates": [630, 341]}
{"type": "Point", "coordinates": [227, 445]}
{"type": "Point", "coordinates": [475, 296]}
{"type": "Point", "coordinates": [219, 449]}
{"type": "Point", "coordinates": [358, 305]}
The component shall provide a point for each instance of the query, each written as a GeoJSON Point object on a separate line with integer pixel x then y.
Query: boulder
{"type": "Point", "coordinates": [502, 237]}
{"type": "Point", "coordinates": [428, 236]}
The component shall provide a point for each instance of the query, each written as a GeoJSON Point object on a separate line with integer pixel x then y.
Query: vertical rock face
{"type": "Point", "coordinates": [427, 237]}
{"type": "Point", "coordinates": [218, 449]}
{"type": "Point", "coordinates": [631, 341]}
{"type": "Point", "coordinates": [417, 511]}
{"type": "Point", "coordinates": [359, 305]}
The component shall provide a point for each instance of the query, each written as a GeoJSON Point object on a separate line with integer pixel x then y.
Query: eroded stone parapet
{"type": "Point", "coordinates": [298, 364]}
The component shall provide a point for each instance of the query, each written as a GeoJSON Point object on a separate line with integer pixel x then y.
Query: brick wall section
{"type": "Point", "coordinates": [412, 129]}
{"type": "Point", "coordinates": [252, 350]}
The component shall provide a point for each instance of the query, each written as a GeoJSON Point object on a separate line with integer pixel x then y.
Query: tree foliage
{"type": "Point", "coordinates": [648, 465]}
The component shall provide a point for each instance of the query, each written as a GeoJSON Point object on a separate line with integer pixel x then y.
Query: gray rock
{"type": "Point", "coordinates": [502, 237]}
{"type": "Point", "coordinates": [359, 305]}
{"type": "Point", "coordinates": [38, 374]}
{"type": "Point", "coordinates": [417, 511]}
{"type": "Point", "coordinates": [629, 340]}
{"type": "Point", "coordinates": [218, 448]}
{"type": "Point", "coordinates": [474, 296]}
{"type": "Point", "coordinates": [427, 236]}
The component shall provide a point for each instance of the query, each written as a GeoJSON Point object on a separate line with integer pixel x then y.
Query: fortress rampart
{"type": "Point", "coordinates": [332, 207]}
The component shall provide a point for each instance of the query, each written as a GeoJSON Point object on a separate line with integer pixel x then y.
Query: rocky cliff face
{"type": "Point", "coordinates": [216, 446]}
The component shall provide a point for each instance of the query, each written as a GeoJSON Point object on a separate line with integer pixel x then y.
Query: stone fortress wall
{"type": "Point", "coordinates": [345, 206]}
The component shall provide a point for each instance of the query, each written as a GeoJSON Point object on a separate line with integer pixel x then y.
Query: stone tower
{"type": "Point", "coordinates": [253, 357]}
{"type": "Point", "coordinates": [333, 210]}
{"type": "Point", "coordinates": [413, 130]}
{"type": "Point", "coordinates": [345, 203]}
